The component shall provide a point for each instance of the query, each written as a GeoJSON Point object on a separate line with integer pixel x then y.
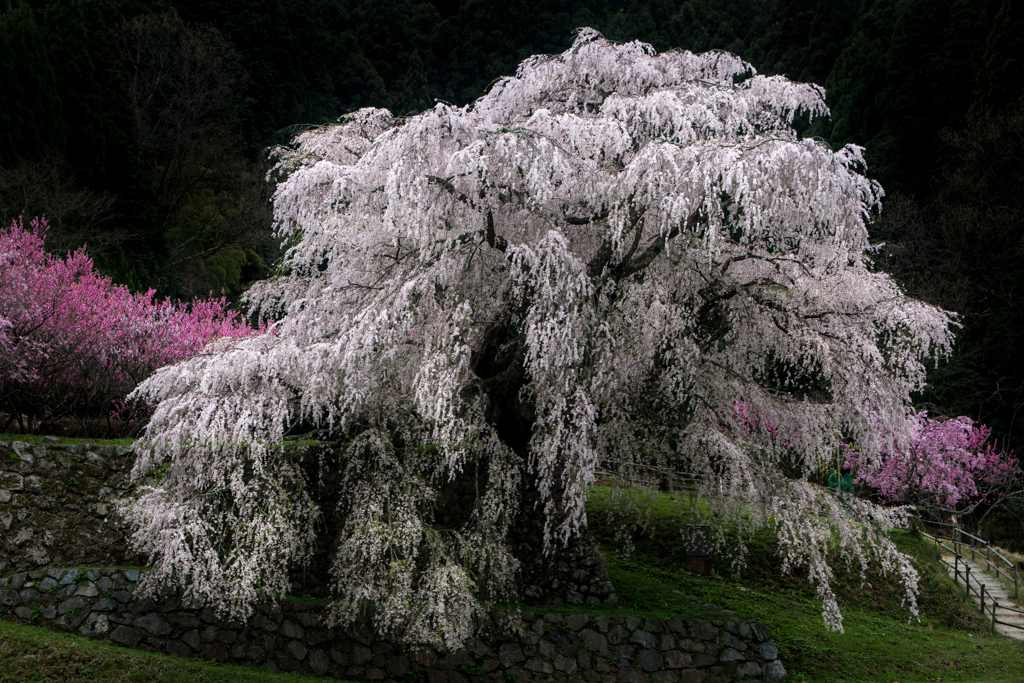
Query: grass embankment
{"type": "Point", "coordinates": [67, 440]}
{"type": "Point", "coordinates": [35, 654]}
{"type": "Point", "coordinates": [951, 642]}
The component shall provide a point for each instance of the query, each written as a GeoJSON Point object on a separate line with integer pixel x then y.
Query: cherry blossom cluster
{"type": "Point", "coordinates": [813, 523]}
{"type": "Point", "coordinates": [948, 465]}
{"type": "Point", "coordinates": [572, 272]}
{"type": "Point", "coordinates": [72, 342]}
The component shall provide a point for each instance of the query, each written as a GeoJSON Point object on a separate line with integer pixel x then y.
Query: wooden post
{"type": "Point", "coordinates": [994, 606]}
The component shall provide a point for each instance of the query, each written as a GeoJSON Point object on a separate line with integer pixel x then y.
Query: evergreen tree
{"type": "Point", "coordinates": [31, 119]}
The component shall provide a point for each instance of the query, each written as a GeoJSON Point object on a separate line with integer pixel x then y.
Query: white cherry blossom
{"type": "Point", "coordinates": [587, 267]}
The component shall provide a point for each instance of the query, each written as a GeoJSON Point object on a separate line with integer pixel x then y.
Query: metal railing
{"type": "Point", "coordinates": [979, 590]}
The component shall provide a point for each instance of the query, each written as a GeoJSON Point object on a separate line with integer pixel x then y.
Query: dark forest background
{"type": "Point", "coordinates": [141, 127]}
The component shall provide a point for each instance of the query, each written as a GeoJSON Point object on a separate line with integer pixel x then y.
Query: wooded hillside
{"type": "Point", "coordinates": [140, 127]}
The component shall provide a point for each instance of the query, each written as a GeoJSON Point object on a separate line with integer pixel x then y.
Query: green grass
{"type": "Point", "coordinates": [67, 440]}
{"type": "Point", "coordinates": [951, 642]}
{"type": "Point", "coordinates": [876, 645]}
{"type": "Point", "coordinates": [29, 653]}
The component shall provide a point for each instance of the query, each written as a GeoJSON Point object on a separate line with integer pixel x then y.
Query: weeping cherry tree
{"type": "Point", "coordinates": [590, 266]}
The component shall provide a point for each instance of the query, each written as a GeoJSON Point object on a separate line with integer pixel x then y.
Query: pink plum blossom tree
{"type": "Point", "coordinates": [74, 343]}
{"type": "Point", "coordinates": [949, 467]}
{"type": "Point", "coordinates": [587, 266]}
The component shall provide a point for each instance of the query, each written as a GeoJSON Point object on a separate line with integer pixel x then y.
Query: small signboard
{"type": "Point", "coordinates": [698, 548]}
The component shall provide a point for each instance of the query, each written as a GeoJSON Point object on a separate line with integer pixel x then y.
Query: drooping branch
{"type": "Point", "coordinates": [596, 266]}
{"type": "Point", "coordinates": [630, 266]}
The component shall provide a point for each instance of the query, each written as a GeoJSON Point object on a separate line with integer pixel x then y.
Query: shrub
{"type": "Point", "coordinates": [74, 343]}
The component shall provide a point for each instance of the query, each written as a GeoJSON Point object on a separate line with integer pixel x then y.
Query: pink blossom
{"type": "Point", "coordinates": [948, 463]}
{"type": "Point", "coordinates": [754, 424]}
{"type": "Point", "coordinates": [71, 341]}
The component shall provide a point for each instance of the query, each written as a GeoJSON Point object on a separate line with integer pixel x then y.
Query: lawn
{"type": "Point", "coordinates": [35, 654]}
{"type": "Point", "coordinates": [950, 643]}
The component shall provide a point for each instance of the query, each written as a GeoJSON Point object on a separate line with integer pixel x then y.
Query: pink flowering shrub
{"type": "Point", "coordinates": [755, 423]}
{"type": "Point", "coordinates": [948, 465]}
{"type": "Point", "coordinates": [74, 343]}
{"type": "Point", "coordinates": [764, 437]}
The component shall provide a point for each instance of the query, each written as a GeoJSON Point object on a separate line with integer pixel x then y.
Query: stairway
{"type": "Point", "coordinates": [993, 590]}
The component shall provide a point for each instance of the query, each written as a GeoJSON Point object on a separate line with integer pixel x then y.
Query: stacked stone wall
{"type": "Point", "coordinates": [516, 648]}
{"type": "Point", "coordinates": [56, 506]}
{"type": "Point", "coordinates": [574, 575]}
{"type": "Point", "coordinates": [57, 509]}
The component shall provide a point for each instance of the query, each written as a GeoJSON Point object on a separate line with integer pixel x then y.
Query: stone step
{"type": "Point", "coordinates": [994, 589]}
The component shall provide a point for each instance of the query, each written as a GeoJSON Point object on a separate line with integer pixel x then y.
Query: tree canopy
{"type": "Point", "coordinates": [918, 84]}
{"type": "Point", "coordinates": [589, 265]}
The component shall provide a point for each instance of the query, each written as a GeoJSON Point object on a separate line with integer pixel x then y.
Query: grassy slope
{"type": "Point", "coordinates": [35, 654]}
{"type": "Point", "coordinates": [950, 643]}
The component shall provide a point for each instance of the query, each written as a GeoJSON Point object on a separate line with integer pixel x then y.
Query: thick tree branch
{"type": "Point", "coordinates": [586, 220]}
{"type": "Point", "coordinates": [629, 267]}
{"type": "Point", "coordinates": [600, 260]}
{"type": "Point", "coordinates": [495, 241]}
{"type": "Point", "coordinates": [447, 185]}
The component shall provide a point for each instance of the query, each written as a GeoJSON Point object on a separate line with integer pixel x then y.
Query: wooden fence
{"type": "Point", "coordinates": [962, 570]}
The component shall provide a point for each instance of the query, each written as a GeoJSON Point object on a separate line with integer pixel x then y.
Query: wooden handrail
{"type": "Point", "coordinates": [1008, 563]}
{"type": "Point", "coordinates": [966, 533]}
{"type": "Point", "coordinates": [989, 551]}
{"type": "Point", "coordinates": [980, 592]}
{"type": "Point", "coordinates": [1012, 609]}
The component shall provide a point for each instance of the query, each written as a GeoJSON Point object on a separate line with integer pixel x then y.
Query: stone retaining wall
{"type": "Point", "coordinates": [56, 510]}
{"type": "Point", "coordinates": [523, 648]}
{"type": "Point", "coordinates": [55, 505]}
